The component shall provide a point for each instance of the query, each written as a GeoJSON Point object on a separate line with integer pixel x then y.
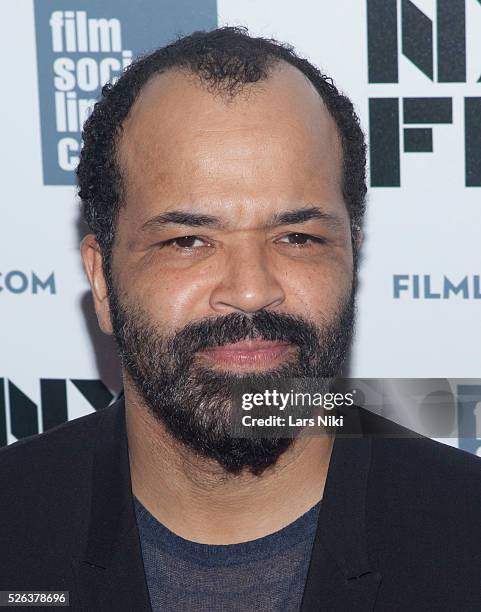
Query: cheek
{"type": "Point", "coordinates": [319, 290]}
{"type": "Point", "coordinates": [174, 298]}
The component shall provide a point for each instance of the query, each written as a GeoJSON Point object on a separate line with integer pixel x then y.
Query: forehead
{"type": "Point", "coordinates": [181, 140]}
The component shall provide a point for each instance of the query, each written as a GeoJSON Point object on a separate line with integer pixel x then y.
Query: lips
{"type": "Point", "coordinates": [248, 353]}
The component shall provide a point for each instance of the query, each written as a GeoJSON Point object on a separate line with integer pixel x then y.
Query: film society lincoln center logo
{"type": "Point", "coordinates": [82, 45]}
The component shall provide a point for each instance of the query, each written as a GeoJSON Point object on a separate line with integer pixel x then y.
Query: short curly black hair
{"type": "Point", "coordinates": [225, 59]}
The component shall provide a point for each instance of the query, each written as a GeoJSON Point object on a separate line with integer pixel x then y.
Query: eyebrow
{"type": "Point", "coordinates": [302, 215]}
{"type": "Point", "coordinates": [288, 217]}
{"type": "Point", "coordinates": [180, 217]}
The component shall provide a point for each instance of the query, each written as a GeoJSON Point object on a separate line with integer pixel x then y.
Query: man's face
{"type": "Point", "coordinates": [234, 228]}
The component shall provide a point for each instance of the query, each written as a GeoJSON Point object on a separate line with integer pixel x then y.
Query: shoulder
{"type": "Point", "coordinates": [70, 430]}
{"type": "Point", "coordinates": [53, 458]}
{"type": "Point", "coordinates": [45, 481]}
{"type": "Point", "coordinates": [402, 456]}
{"type": "Point", "coordinates": [425, 496]}
{"type": "Point", "coordinates": [418, 459]}
{"type": "Point", "coordinates": [421, 486]}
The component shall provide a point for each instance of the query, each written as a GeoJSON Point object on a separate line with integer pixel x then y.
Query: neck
{"type": "Point", "coordinates": [197, 500]}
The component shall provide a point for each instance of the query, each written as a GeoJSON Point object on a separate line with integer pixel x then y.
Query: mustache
{"type": "Point", "coordinates": [234, 327]}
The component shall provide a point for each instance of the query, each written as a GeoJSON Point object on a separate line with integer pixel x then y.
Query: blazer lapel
{"type": "Point", "coordinates": [110, 573]}
{"type": "Point", "coordinates": [341, 575]}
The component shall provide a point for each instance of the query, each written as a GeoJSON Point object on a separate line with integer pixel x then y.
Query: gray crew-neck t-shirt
{"type": "Point", "coordinates": [266, 575]}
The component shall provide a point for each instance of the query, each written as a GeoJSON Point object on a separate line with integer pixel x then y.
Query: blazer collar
{"type": "Point", "coordinates": [110, 574]}
{"type": "Point", "coordinates": [341, 575]}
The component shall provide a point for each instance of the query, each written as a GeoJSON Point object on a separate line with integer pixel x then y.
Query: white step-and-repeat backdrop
{"type": "Point", "coordinates": [413, 70]}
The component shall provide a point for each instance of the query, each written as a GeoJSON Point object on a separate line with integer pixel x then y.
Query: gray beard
{"type": "Point", "coordinates": [196, 404]}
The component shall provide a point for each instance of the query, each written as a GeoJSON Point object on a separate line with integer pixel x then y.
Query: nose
{"type": "Point", "coordinates": [248, 283]}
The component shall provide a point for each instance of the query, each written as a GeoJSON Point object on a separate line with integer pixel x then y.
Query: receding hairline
{"type": "Point", "coordinates": [181, 74]}
{"type": "Point", "coordinates": [275, 66]}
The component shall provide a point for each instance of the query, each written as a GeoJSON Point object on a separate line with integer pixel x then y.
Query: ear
{"type": "Point", "coordinates": [359, 238]}
{"type": "Point", "coordinates": [92, 260]}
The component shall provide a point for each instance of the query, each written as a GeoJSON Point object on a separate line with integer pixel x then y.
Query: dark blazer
{"type": "Point", "coordinates": [399, 527]}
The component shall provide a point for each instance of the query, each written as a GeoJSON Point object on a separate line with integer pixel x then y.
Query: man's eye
{"type": "Point", "coordinates": [185, 242]}
{"type": "Point", "coordinates": [300, 240]}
